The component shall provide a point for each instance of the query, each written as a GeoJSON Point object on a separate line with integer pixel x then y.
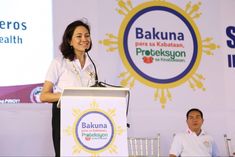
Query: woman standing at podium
{"type": "Point", "coordinates": [73, 68]}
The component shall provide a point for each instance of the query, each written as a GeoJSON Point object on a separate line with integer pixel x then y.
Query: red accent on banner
{"type": "Point", "coordinates": [148, 59]}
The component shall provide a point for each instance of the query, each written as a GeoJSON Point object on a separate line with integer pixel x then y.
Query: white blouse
{"type": "Point", "coordinates": [65, 73]}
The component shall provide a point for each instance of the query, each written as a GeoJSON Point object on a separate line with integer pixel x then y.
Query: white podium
{"type": "Point", "coordinates": [93, 122]}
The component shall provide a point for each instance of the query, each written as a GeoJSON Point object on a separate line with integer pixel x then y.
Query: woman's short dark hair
{"type": "Point", "coordinates": [65, 48]}
{"type": "Point", "coordinates": [194, 109]}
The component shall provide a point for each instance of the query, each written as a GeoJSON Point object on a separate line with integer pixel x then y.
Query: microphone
{"type": "Point", "coordinates": [97, 83]}
{"type": "Point", "coordinates": [103, 84]}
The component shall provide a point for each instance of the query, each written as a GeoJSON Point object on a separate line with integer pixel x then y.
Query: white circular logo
{"type": "Point", "coordinates": [35, 94]}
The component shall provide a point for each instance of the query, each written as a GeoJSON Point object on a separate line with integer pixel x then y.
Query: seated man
{"type": "Point", "coordinates": [194, 142]}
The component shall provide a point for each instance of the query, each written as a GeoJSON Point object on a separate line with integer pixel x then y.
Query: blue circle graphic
{"type": "Point", "coordinates": [132, 64]}
{"type": "Point", "coordinates": [102, 147]}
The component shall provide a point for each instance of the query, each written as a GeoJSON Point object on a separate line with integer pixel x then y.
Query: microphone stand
{"type": "Point", "coordinates": [97, 83]}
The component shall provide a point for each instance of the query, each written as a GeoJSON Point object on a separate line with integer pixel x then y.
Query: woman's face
{"type": "Point", "coordinates": [81, 39]}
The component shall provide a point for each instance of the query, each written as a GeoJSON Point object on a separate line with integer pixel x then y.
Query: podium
{"type": "Point", "coordinates": [93, 121]}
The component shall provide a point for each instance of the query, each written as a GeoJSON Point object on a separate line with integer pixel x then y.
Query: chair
{"type": "Point", "coordinates": [228, 145]}
{"type": "Point", "coordinates": [143, 146]}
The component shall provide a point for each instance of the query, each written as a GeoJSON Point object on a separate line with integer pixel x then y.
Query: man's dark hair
{"type": "Point", "coordinates": [194, 109]}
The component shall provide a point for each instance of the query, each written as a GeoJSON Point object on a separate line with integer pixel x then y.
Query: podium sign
{"type": "Point", "coordinates": [93, 122]}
